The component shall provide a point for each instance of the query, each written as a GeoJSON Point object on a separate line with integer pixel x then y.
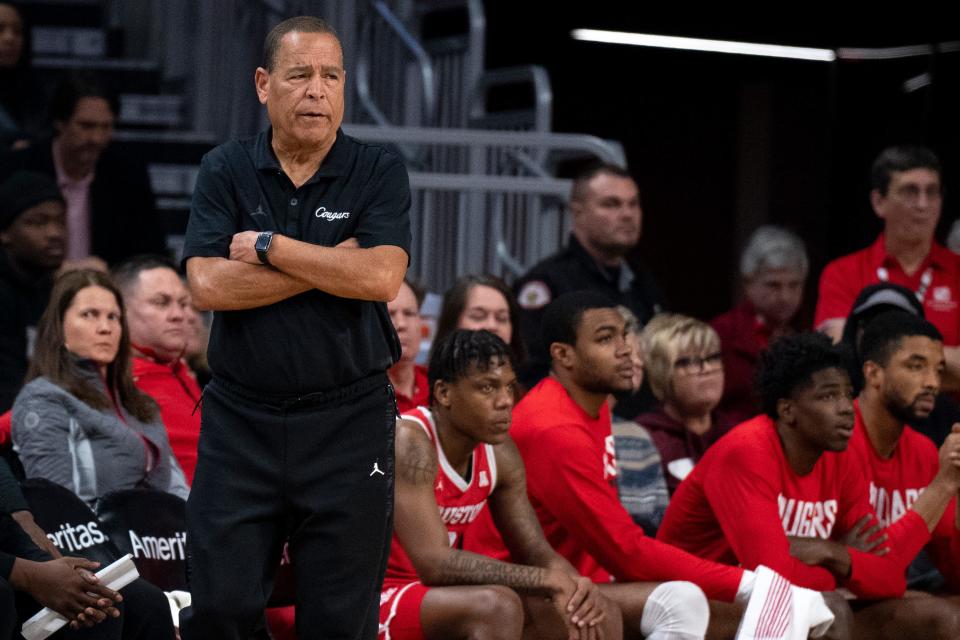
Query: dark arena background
{"type": "Point", "coordinates": [718, 142]}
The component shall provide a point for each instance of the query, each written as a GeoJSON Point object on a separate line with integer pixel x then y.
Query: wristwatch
{"type": "Point", "coordinates": [262, 246]}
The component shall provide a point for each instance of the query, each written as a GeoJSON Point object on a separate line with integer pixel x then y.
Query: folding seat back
{"type": "Point", "coordinates": [152, 526]}
{"type": "Point", "coordinates": [68, 521]}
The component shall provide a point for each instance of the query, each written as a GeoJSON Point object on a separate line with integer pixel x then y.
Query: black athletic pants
{"type": "Point", "coordinates": [318, 470]}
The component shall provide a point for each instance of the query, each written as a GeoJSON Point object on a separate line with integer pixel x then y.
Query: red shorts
{"type": "Point", "coordinates": [400, 611]}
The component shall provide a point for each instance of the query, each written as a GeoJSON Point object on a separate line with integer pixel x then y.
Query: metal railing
{"type": "Point", "coordinates": [485, 217]}
{"type": "Point", "coordinates": [386, 43]}
{"type": "Point", "coordinates": [537, 117]}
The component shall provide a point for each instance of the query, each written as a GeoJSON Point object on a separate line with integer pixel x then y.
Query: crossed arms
{"type": "Point", "coordinates": [346, 270]}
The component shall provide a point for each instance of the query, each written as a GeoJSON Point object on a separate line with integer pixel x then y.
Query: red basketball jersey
{"type": "Point", "coordinates": [460, 500]}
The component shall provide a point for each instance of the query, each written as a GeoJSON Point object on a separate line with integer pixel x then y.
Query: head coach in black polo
{"type": "Point", "coordinates": [297, 238]}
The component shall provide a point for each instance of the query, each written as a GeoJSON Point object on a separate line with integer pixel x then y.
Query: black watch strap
{"type": "Point", "coordinates": [262, 246]}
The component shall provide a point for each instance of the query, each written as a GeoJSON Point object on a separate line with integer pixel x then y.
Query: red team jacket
{"type": "Point", "coordinates": [460, 500]}
{"type": "Point", "coordinates": [571, 480]}
{"type": "Point", "coordinates": [177, 393]}
{"type": "Point", "coordinates": [896, 482]}
{"type": "Point", "coordinates": [742, 500]}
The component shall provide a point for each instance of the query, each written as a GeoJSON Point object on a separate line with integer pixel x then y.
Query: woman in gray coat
{"type": "Point", "coordinates": [80, 421]}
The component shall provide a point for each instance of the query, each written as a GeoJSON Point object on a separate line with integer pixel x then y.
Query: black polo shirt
{"type": "Point", "coordinates": [313, 341]}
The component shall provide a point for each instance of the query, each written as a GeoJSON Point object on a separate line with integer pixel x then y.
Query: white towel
{"type": "Point", "coordinates": [778, 610]}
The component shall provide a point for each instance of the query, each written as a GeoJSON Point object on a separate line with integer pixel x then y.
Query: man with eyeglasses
{"type": "Point", "coordinates": [907, 195]}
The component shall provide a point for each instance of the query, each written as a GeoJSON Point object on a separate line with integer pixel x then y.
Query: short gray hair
{"type": "Point", "coordinates": [773, 247]}
{"type": "Point", "coordinates": [301, 24]}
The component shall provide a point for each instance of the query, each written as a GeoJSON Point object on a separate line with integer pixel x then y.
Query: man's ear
{"type": "Point", "coordinates": [877, 200]}
{"type": "Point", "coordinates": [872, 374]}
{"type": "Point", "coordinates": [785, 411]}
{"type": "Point", "coordinates": [261, 79]}
{"type": "Point", "coordinates": [576, 208]}
{"type": "Point", "coordinates": [562, 355]}
{"type": "Point", "coordinates": [441, 393]}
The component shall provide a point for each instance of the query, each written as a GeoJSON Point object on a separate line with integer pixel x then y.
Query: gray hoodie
{"type": "Point", "coordinates": [90, 451]}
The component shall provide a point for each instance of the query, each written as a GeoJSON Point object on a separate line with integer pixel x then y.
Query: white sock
{"type": "Point", "coordinates": [675, 611]}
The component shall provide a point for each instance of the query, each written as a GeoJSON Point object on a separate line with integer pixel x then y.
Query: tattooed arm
{"type": "Point", "coordinates": [514, 516]}
{"type": "Point", "coordinates": [424, 537]}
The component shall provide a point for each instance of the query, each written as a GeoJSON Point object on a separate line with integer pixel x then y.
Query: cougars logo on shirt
{"type": "Point", "coordinates": [807, 519]}
{"type": "Point", "coordinates": [891, 504]}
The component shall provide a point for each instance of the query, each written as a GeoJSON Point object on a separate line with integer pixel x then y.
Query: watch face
{"type": "Point", "coordinates": [262, 246]}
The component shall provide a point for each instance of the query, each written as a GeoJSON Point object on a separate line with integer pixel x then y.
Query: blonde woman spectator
{"type": "Point", "coordinates": [685, 371]}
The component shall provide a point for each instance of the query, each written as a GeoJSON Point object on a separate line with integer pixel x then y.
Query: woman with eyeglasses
{"type": "Point", "coordinates": [685, 369]}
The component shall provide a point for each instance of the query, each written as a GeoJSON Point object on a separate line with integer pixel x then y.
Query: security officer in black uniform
{"type": "Point", "coordinates": [605, 205]}
{"type": "Point", "coordinates": [297, 238]}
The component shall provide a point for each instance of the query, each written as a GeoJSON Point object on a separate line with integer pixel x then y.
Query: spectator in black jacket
{"type": "Point", "coordinates": [606, 216]}
{"type": "Point", "coordinates": [33, 236]}
{"type": "Point", "coordinates": [110, 206]}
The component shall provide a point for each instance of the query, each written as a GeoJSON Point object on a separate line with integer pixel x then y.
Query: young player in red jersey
{"type": "Point", "coordinates": [902, 357]}
{"type": "Point", "coordinates": [778, 491]}
{"type": "Point", "coordinates": [452, 460]}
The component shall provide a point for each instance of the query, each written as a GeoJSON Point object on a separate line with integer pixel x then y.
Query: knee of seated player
{"type": "Point", "coordinates": [493, 603]}
{"type": "Point", "coordinates": [488, 611]}
{"type": "Point", "coordinates": [678, 607]}
{"type": "Point", "coordinates": [928, 617]}
{"type": "Point", "coordinates": [944, 619]}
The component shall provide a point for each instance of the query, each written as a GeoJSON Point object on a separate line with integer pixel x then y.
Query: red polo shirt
{"type": "Point", "coordinates": [844, 278]}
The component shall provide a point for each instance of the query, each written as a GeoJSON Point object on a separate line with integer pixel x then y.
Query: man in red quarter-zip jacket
{"type": "Point", "coordinates": [157, 302]}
